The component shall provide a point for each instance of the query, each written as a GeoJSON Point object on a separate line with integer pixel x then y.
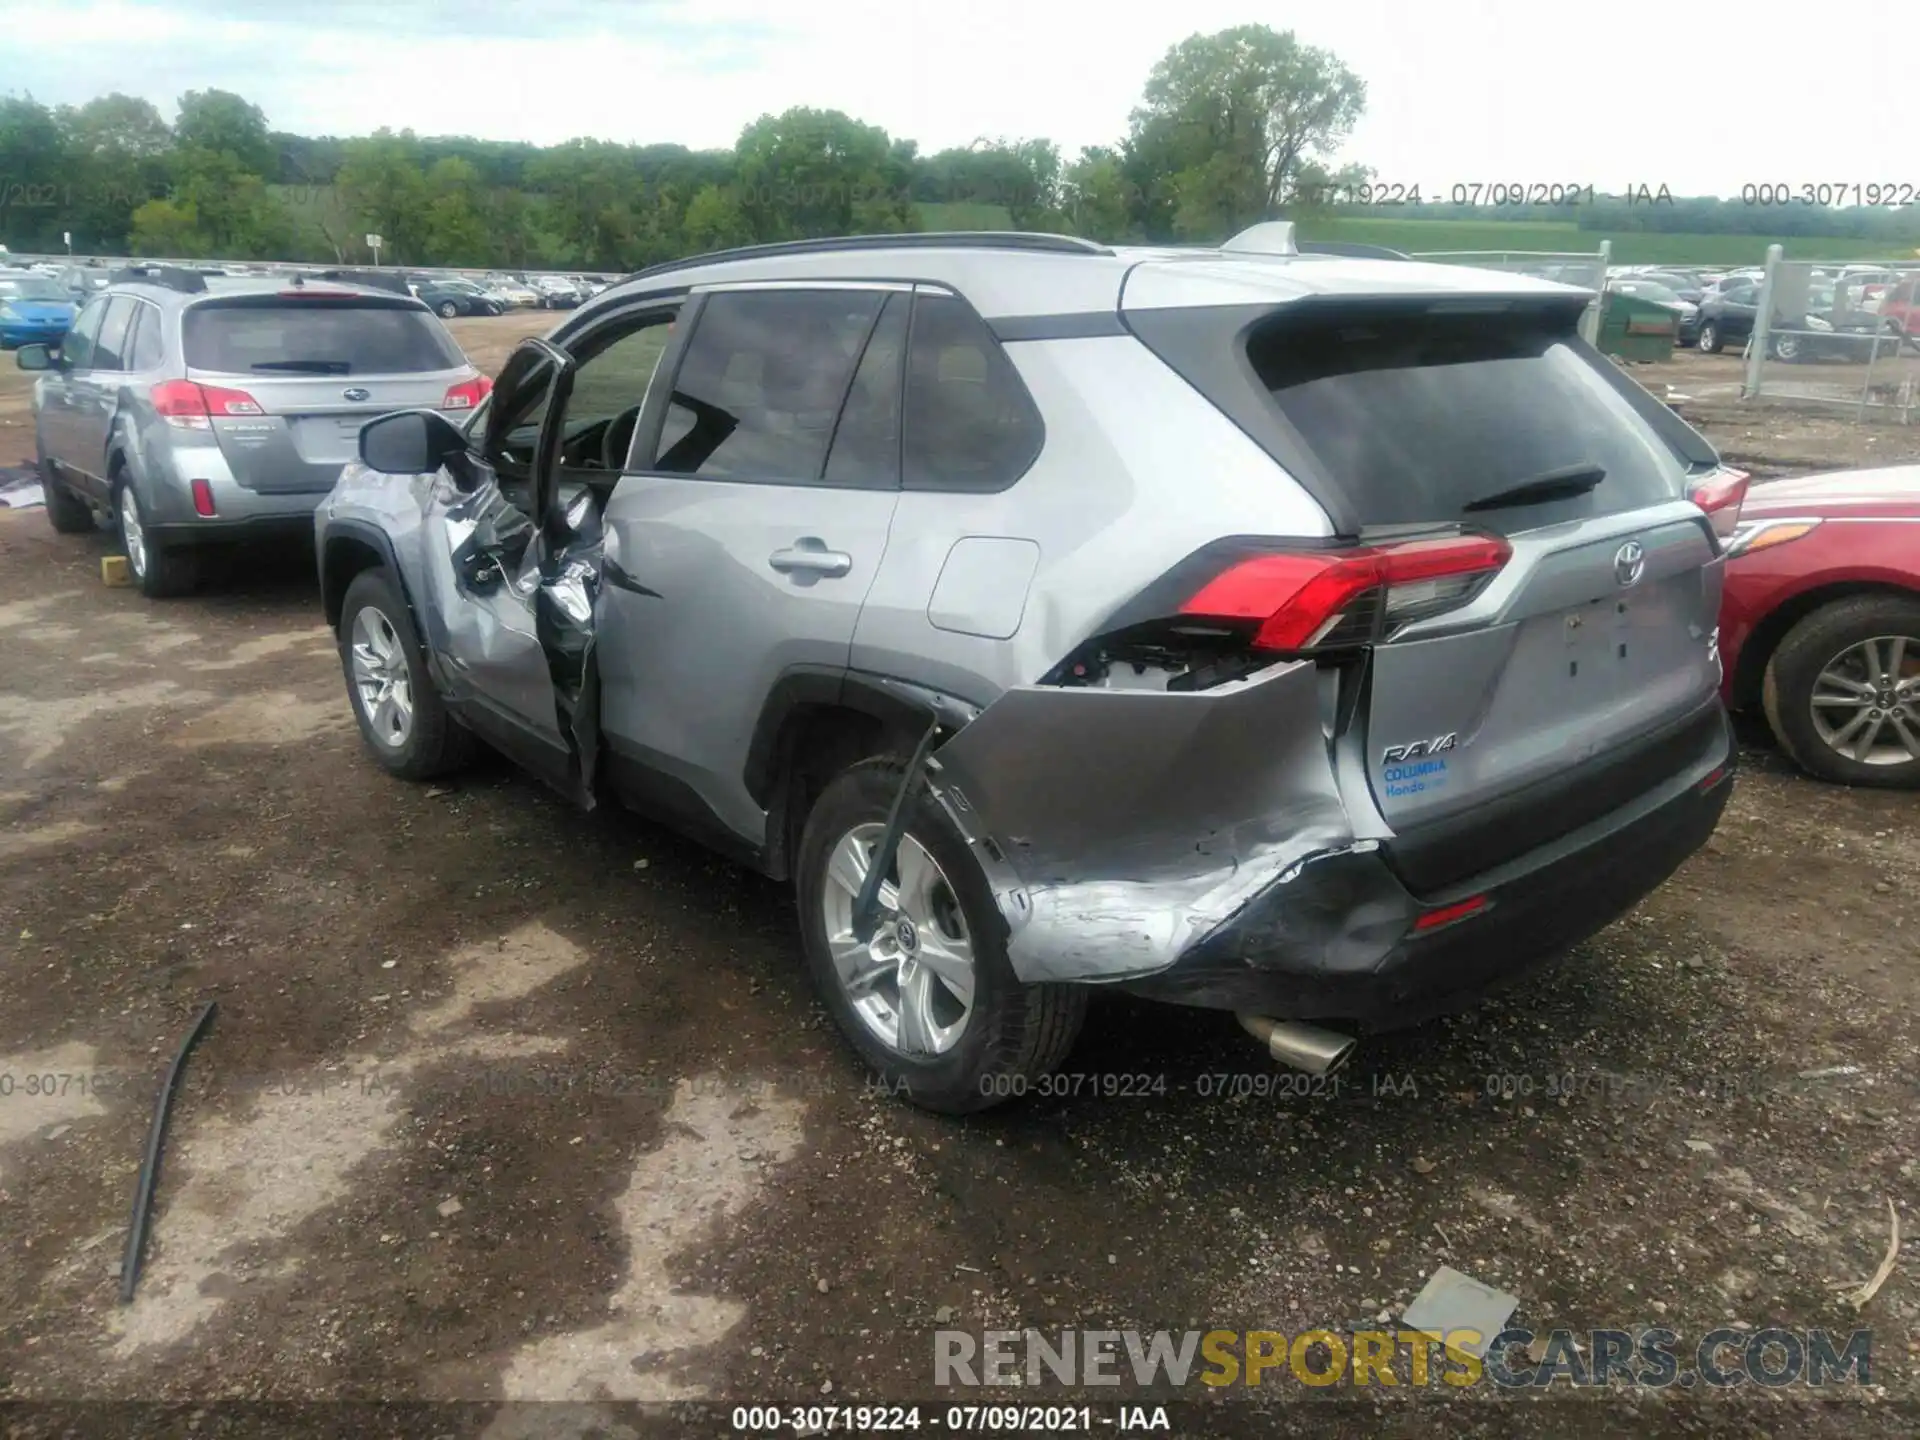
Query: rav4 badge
{"type": "Point", "coordinates": [1419, 748]}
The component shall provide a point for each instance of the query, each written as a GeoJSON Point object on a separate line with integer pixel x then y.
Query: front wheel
{"type": "Point", "coordinates": [930, 1001]}
{"type": "Point", "coordinates": [1842, 693]}
{"type": "Point", "coordinates": [402, 719]}
{"type": "Point", "coordinates": [1708, 341]}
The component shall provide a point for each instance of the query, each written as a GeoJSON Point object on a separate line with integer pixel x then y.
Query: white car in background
{"type": "Point", "coordinates": [511, 291]}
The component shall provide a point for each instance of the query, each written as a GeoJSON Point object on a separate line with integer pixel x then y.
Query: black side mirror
{"type": "Point", "coordinates": [410, 442]}
{"type": "Point", "coordinates": [35, 357]}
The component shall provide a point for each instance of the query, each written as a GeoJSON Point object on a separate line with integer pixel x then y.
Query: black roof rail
{"type": "Point", "coordinates": [391, 280]}
{"type": "Point", "coordinates": [187, 282]}
{"type": "Point", "coordinates": [1351, 248]}
{"type": "Point", "coordinates": [911, 240]}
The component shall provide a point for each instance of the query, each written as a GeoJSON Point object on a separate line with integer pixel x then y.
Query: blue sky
{"type": "Point", "coordinates": [1702, 96]}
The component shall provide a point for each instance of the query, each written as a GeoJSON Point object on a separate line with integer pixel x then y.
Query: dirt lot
{"type": "Point", "coordinates": [502, 1103]}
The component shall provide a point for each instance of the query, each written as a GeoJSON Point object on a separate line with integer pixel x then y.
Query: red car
{"type": "Point", "coordinates": [1820, 625]}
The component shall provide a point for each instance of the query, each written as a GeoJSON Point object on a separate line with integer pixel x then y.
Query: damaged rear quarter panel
{"type": "Point", "coordinates": [1130, 823]}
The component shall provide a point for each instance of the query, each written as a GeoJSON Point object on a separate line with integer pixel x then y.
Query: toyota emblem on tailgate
{"type": "Point", "coordinates": [1630, 563]}
{"type": "Point", "coordinates": [354, 392]}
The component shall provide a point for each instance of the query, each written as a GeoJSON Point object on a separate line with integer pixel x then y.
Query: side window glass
{"type": "Point", "coordinates": [609, 388]}
{"type": "Point", "coordinates": [762, 383]}
{"type": "Point", "coordinates": [970, 423]}
{"type": "Point", "coordinates": [866, 443]}
{"type": "Point", "coordinates": [109, 349]}
{"type": "Point", "coordinates": [146, 350]}
{"type": "Point", "coordinates": [77, 347]}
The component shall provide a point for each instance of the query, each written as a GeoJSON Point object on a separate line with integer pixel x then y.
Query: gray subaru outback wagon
{"type": "Point", "coordinates": [1320, 638]}
{"type": "Point", "coordinates": [201, 411]}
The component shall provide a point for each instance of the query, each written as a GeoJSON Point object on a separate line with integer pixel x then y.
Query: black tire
{"type": "Point", "coordinates": [435, 743]}
{"type": "Point", "coordinates": [1709, 341]}
{"type": "Point", "coordinates": [159, 572]}
{"type": "Point", "coordinates": [1788, 349]}
{"type": "Point", "coordinates": [448, 309]}
{"type": "Point", "coordinates": [1015, 1033]}
{"type": "Point", "coordinates": [68, 513]}
{"type": "Point", "coordinates": [1812, 645]}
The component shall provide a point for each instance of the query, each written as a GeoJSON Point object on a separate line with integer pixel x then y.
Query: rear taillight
{"type": "Point", "coordinates": [467, 394]}
{"type": "Point", "coordinates": [1309, 600]}
{"type": "Point", "coordinates": [1720, 495]}
{"type": "Point", "coordinates": [186, 405]}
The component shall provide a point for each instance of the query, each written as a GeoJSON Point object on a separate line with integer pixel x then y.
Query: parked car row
{"type": "Point", "coordinates": [791, 550]}
{"type": "Point", "coordinates": [500, 292]}
{"type": "Point", "coordinates": [1850, 312]}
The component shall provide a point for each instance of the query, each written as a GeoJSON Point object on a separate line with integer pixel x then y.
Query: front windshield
{"type": "Point", "coordinates": [31, 287]}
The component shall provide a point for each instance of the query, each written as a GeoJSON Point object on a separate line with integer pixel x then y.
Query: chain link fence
{"type": "Point", "coordinates": [1835, 334]}
{"type": "Point", "coordinates": [1584, 268]}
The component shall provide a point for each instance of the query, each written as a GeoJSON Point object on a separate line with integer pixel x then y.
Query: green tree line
{"type": "Point", "coordinates": [1231, 128]}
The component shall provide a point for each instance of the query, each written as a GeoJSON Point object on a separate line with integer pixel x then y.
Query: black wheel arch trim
{"type": "Point", "coordinates": [376, 539]}
{"type": "Point", "coordinates": [895, 703]}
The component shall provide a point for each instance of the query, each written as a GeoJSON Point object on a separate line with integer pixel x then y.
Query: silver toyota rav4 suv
{"type": "Point", "coordinates": [1318, 638]}
{"type": "Point", "coordinates": [202, 411]}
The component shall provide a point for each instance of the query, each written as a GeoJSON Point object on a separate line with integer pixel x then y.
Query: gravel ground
{"type": "Point", "coordinates": [505, 1103]}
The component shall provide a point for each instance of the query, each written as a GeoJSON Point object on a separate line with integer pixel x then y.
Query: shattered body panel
{"type": "Point", "coordinates": [1119, 828]}
{"type": "Point", "coordinates": [507, 614]}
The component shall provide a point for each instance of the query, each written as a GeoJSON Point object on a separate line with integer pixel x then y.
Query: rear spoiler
{"type": "Point", "coordinates": [1351, 248]}
{"type": "Point", "coordinates": [187, 282]}
{"type": "Point", "coordinates": [389, 280]}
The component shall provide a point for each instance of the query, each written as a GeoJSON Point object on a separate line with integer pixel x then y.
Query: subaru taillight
{"type": "Point", "coordinates": [187, 405]}
{"type": "Point", "coordinates": [1309, 600]}
{"type": "Point", "coordinates": [467, 394]}
{"type": "Point", "coordinates": [1721, 494]}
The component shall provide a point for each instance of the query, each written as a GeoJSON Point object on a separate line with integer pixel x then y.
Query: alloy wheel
{"type": "Point", "coordinates": [1866, 701]}
{"type": "Point", "coordinates": [381, 678]}
{"type": "Point", "coordinates": [912, 984]}
{"type": "Point", "coordinates": [132, 534]}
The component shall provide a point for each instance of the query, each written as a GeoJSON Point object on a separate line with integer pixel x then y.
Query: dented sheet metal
{"type": "Point", "coordinates": [1118, 827]}
{"type": "Point", "coordinates": [514, 613]}
{"type": "Point", "coordinates": [566, 608]}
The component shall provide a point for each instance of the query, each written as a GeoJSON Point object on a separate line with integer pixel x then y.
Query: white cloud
{"type": "Point", "coordinates": [1702, 97]}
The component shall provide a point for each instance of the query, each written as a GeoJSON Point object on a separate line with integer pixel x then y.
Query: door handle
{"type": "Point", "coordinates": [811, 558]}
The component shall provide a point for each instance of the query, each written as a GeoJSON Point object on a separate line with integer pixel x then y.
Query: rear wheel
{"type": "Point", "coordinates": [1842, 693]}
{"type": "Point", "coordinates": [931, 1001]}
{"type": "Point", "coordinates": [1709, 341]}
{"type": "Point", "coordinates": [158, 571]}
{"type": "Point", "coordinates": [448, 309]}
{"type": "Point", "coordinates": [401, 716]}
{"type": "Point", "coordinates": [69, 514]}
{"type": "Point", "coordinates": [1787, 348]}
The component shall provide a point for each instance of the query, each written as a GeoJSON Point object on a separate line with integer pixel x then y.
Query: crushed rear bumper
{"type": "Point", "coordinates": [1210, 848]}
{"type": "Point", "coordinates": [1337, 941]}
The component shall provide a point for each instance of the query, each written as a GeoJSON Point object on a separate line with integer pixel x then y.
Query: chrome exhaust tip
{"type": "Point", "coordinates": [1304, 1047]}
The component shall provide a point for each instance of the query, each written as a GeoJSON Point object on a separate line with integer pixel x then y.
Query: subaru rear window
{"type": "Point", "coordinates": [1414, 415]}
{"type": "Point", "coordinates": [315, 337]}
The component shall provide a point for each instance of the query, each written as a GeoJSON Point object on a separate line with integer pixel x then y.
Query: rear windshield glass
{"type": "Point", "coordinates": [1415, 416]}
{"type": "Point", "coordinates": [315, 337]}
